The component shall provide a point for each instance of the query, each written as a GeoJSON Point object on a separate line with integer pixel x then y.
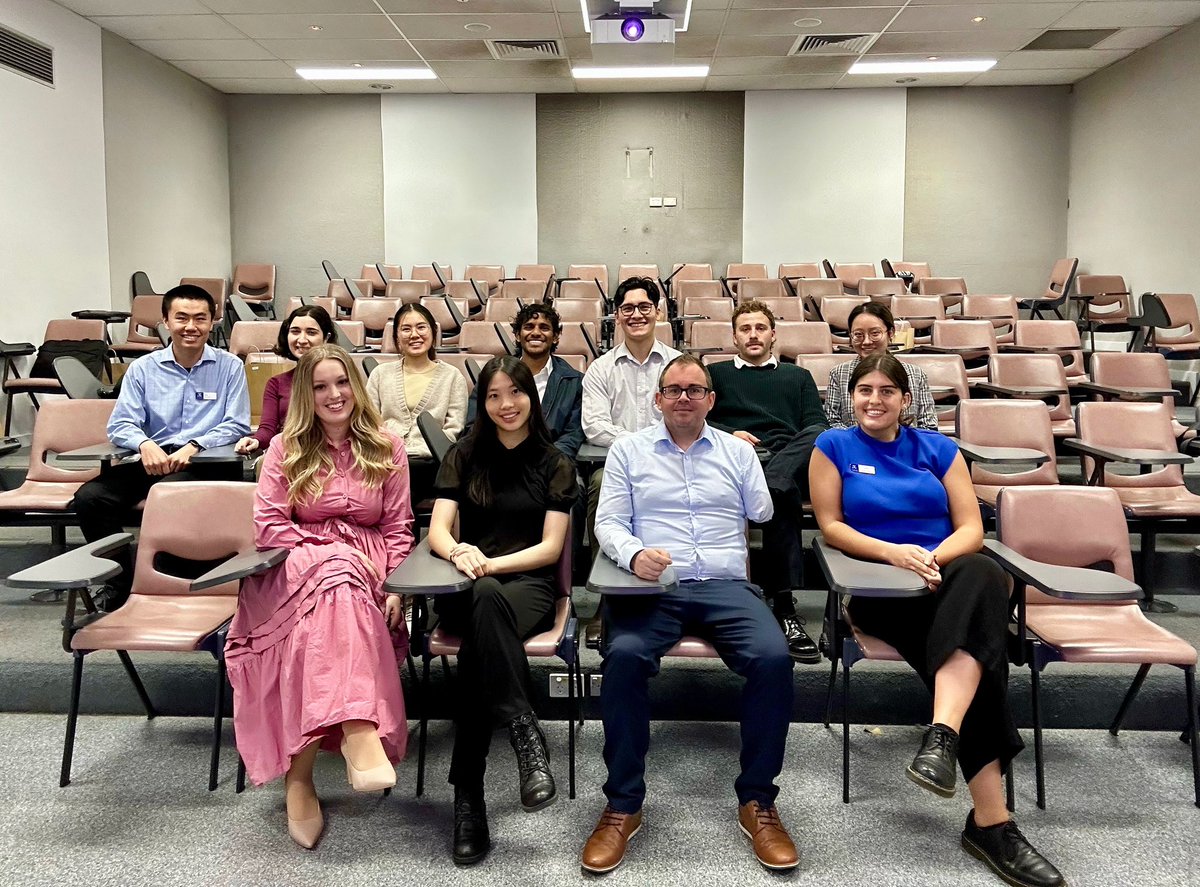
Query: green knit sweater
{"type": "Point", "coordinates": [772, 404]}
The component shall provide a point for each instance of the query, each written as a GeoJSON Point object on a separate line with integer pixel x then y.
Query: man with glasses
{"type": "Point", "coordinates": [871, 331]}
{"type": "Point", "coordinates": [618, 387]}
{"type": "Point", "coordinates": [774, 407]}
{"type": "Point", "coordinates": [678, 494]}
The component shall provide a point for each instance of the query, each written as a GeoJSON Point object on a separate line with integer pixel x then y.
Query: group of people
{"type": "Point", "coordinates": [695, 453]}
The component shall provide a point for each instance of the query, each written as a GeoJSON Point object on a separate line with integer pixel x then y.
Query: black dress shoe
{"type": "Point", "coordinates": [1006, 852]}
{"type": "Point", "coordinates": [533, 763]}
{"type": "Point", "coordinates": [800, 646]}
{"type": "Point", "coordinates": [936, 765]}
{"type": "Point", "coordinates": [471, 839]}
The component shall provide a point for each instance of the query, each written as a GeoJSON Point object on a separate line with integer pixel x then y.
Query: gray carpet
{"type": "Point", "coordinates": [138, 814]}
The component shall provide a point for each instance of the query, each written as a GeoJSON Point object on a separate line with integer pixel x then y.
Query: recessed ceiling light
{"type": "Point", "coordinates": [357, 65]}
{"type": "Point", "coordinates": [907, 80]}
{"type": "Point", "coordinates": [360, 73]}
{"type": "Point", "coordinates": [932, 58]}
{"type": "Point", "coordinates": [806, 22]}
{"type": "Point", "coordinates": [478, 27]}
{"type": "Point", "coordinates": [381, 86]}
{"type": "Point", "coordinates": [647, 72]}
{"type": "Point", "coordinates": [950, 66]}
{"type": "Point", "coordinates": [979, 18]}
{"type": "Point", "coordinates": [315, 28]}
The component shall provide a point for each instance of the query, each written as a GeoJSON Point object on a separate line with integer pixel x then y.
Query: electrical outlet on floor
{"type": "Point", "coordinates": [560, 686]}
{"type": "Point", "coordinates": [594, 684]}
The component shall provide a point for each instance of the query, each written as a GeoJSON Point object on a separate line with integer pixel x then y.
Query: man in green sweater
{"type": "Point", "coordinates": [775, 407]}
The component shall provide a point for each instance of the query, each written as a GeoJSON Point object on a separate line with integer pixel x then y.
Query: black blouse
{"type": "Point", "coordinates": [527, 481]}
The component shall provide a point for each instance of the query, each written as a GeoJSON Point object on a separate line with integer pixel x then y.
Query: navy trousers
{"type": "Point", "coordinates": [734, 619]}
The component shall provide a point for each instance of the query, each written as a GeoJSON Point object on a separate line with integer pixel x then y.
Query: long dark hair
{"type": "Point", "coordinates": [317, 313]}
{"type": "Point", "coordinates": [482, 446]}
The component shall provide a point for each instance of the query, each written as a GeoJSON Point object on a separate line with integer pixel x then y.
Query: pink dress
{"type": "Point", "coordinates": [309, 647]}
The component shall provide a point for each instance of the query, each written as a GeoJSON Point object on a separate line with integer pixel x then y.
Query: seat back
{"type": "Point", "coordinates": [746, 269]}
{"type": "Point", "coordinates": [815, 288]}
{"type": "Point", "coordinates": [919, 270]}
{"type": "Point", "coordinates": [480, 337]}
{"type": "Point", "coordinates": [145, 313]}
{"type": "Point", "coordinates": [407, 292]}
{"type": "Point", "coordinates": [580, 337]}
{"type": "Point", "coordinates": [1053, 334]}
{"type": "Point", "coordinates": [491, 274]}
{"type": "Point", "coordinates": [542, 273]}
{"type": "Point", "coordinates": [1181, 310]}
{"type": "Point", "coordinates": [217, 287]}
{"type": "Point", "coordinates": [1146, 369]}
{"type": "Point", "coordinates": [378, 282]}
{"type": "Point", "coordinates": [691, 271]}
{"type": "Point", "coordinates": [247, 337]}
{"type": "Point", "coordinates": [757, 288]}
{"type": "Point", "coordinates": [850, 273]}
{"type": "Point", "coordinates": [199, 521]}
{"type": "Point", "coordinates": [793, 338]}
{"type": "Point", "coordinates": [374, 315]}
{"type": "Point", "coordinates": [944, 371]}
{"type": "Point", "coordinates": [966, 334]}
{"type": "Point", "coordinates": [999, 310]}
{"type": "Point", "coordinates": [62, 425]}
{"type": "Point", "coordinates": [1062, 276]}
{"type": "Point", "coordinates": [330, 305]}
{"type": "Point", "coordinates": [503, 308]}
{"type": "Point", "coordinates": [74, 330]}
{"type": "Point", "coordinates": [1136, 426]}
{"type": "Point", "coordinates": [589, 274]}
{"type": "Point", "coordinates": [254, 281]}
{"type": "Point", "coordinates": [570, 310]}
{"type": "Point", "coordinates": [1008, 423]}
{"type": "Point", "coordinates": [820, 366]}
{"type": "Point", "coordinates": [920, 311]}
{"type": "Point", "coordinates": [697, 289]}
{"type": "Point", "coordinates": [799, 269]}
{"type": "Point", "coordinates": [1111, 300]}
{"type": "Point", "coordinates": [785, 308]}
{"type": "Point", "coordinates": [342, 291]}
{"type": "Point", "coordinates": [525, 290]}
{"type": "Point", "coordinates": [713, 334]}
{"type": "Point", "coordinates": [1032, 371]}
{"type": "Point", "coordinates": [449, 314]}
{"type": "Point", "coordinates": [835, 311]}
{"type": "Point", "coordinates": [580, 290]}
{"type": "Point", "coordinates": [951, 289]}
{"type": "Point", "coordinates": [428, 273]}
{"type": "Point", "coordinates": [882, 286]}
{"type": "Point", "coordinates": [351, 334]}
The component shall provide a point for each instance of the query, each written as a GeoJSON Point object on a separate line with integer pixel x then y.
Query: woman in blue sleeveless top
{"type": "Point", "coordinates": [886, 492]}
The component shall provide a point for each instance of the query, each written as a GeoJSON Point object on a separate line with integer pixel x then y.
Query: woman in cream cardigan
{"type": "Point", "coordinates": [415, 384]}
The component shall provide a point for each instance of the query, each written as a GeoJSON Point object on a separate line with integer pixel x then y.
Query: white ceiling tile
{"type": "Point", "coordinates": [169, 27]}
{"type": "Point", "coordinates": [487, 85]}
{"type": "Point", "coordinates": [473, 70]}
{"type": "Point", "coordinates": [473, 7]}
{"type": "Point", "coordinates": [729, 47]}
{"type": "Point", "coordinates": [934, 43]}
{"type": "Point", "coordinates": [1006, 16]}
{"type": "Point", "coordinates": [703, 24]}
{"type": "Point", "coordinates": [257, 86]}
{"type": "Point", "coordinates": [877, 80]}
{"type": "Point", "coordinates": [1133, 38]}
{"type": "Point", "coordinates": [173, 50]}
{"type": "Point", "coordinates": [453, 49]}
{"type": "Point", "coordinates": [996, 77]}
{"type": "Point", "coordinates": [791, 81]}
{"type": "Point", "coordinates": [135, 7]}
{"type": "Point", "coordinates": [236, 70]}
{"type": "Point", "coordinates": [1144, 13]}
{"type": "Point", "coordinates": [518, 26]}
{"type": "Point", "coordinates": [695, 46]}
{"type": "Point", "coordinates": [399, 87]}
{"type": "Point", "coordinates": [1034, 59]}
{"type": "Point", "coordinates": [293, 7]}
{"type": "Point", "coordinates": [340, 50]}
{"type": "Point", "coordinates": [809, 5]}
{"type": "Point", "coordinates": [773, 22]}
{"type": "Point", "coordinates": [837, 64]}
{"type": "Point", "coordinates": [296, 27]}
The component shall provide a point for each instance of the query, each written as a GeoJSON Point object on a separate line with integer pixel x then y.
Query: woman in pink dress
{"type": "Point", "coordinates": [315, 647]}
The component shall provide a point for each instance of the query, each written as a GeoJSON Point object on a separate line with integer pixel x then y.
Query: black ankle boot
{"type": "Point", "coordinates": [533, 764]}
{"type": "Point", "coordinates": [471, 839]}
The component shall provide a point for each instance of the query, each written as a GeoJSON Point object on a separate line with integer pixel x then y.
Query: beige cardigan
{"type": "Point", "coordinates": [445, 399]}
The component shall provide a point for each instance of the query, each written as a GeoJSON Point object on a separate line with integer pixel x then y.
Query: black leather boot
{"type": "Point", "coordinates": [471, 839]}
{"type": "Point", "coordinates": [533, 763]}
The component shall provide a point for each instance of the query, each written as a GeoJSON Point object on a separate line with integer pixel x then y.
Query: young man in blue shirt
{"type": "Point", "coordinates": [678, 494]}
{"type": "Point", "coordinates": [173, 403]}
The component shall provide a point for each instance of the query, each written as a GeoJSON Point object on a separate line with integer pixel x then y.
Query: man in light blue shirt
{"type": "Point", "coordinates": [678, 494]}
{"type": "Point", "coordinates": [173, 403]}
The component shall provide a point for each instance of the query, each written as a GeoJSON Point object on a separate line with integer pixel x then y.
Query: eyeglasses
{"type": "Point", "coordinates": [874, 335]}
{"type": "Point", "coordinates": [420, 329]}
{"type": "Point", "coordinates": [693, 392]}
{"type": "Point", "coordinates": [643, 308]}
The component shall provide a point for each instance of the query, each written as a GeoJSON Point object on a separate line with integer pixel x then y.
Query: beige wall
{"type": "Point", "coordinates": [167, 167]}
{"type": "Point", "coordinates": [589, 210]}
{"type": "Point", "coordinates": [306, 184]}
{"type": "Point", "coordinates": [1135, 190]}
{"type": "Point", "coordinates": [986, 184]}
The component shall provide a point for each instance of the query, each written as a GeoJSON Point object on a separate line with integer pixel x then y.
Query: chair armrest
{"type": "Point", "coordinates": [607, 578]}
{"type": "Point", "coordinates": [1128, 455]}
{"type": "Point", "coordinates": [105, 452]}
{"type": "Point", "coordinates": [592, 454]}
{"type": "Point", "coordinates": [240, 567]}
{"type": "Point", "coordinates": [963, 351]}
{"type": "Point", "coordinates": [16, 349]}
{"type": "Point", "coordinates": [83, 567]}
{"type": "Point", "coordinates": [849, 575]}
{"type": "Point", "coordinates": [1000, 455]}
{"type": "Point", "coordinates": [1064, 583]}
{"type": "Point", "coordinates": [423, 572]}
{"type": "Point", "coordinates": [1048, 395]}
{"type": "Point", "coordinates": [1127, 392]}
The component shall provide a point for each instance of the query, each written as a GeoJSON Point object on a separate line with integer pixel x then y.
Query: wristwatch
{"type": "Point", "coordinates": [199, 448]}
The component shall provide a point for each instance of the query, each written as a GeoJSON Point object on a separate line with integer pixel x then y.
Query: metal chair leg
{"type": "Point", "coordinates": [1132, 692]}
{"type": "Point", "coordinates": [151, 712]}
{"type": "Point", "coordinates": [424, 726]}
{"type": "Point", "coordinates": [1010, 795]}
{"type": "Point", "coordinates": [574, 701]}
{"type": "Point", "coordinates": [240, 785]}
{"type": "Point", "coordinates": [64, 776]}
{"type": "Point", "coordinates": [1035, 687]}
{"type": "Point", "coordinates": [845, 732]}
{"type": "Point", "coordinates": [218, 717]}
{"type": "Point", "coordinates": [1189, 680]}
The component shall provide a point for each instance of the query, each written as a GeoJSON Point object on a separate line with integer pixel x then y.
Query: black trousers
{"type": "Point", "coordinates": [494, 618]}
{"type": "Point", "coordinates": [969, 611]}
{"type": "Point", "coordinates": [105, 504]}
{"type": "Point", "coordinates": [787, 479]}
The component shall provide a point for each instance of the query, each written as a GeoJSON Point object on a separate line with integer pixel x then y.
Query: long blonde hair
{"type": "Point", "coordinates": [306, 459]}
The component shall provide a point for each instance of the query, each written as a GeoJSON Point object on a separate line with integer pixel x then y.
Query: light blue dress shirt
{"type": "Point", "coordinates": [693, 504]}
{"type": "Point", "coordinates": [163, 402]}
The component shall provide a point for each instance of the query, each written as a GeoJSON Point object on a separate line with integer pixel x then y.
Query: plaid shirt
{"type": "Point", "coordinates": [840, 409]}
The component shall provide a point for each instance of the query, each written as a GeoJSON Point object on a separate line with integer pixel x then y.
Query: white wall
{"type": "Point", "coordinates": [166, 139]}
{"type": "Point", "coordinates": [53, 225]}
{"type": "Point", "coordinates": [824, 175]}
{"type": "Point", "coordinates": [460, 179]}
{"type": "Point", "coordinates": [1134, 188]}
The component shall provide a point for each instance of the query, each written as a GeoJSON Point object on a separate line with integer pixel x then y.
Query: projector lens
{"type": "Point", "coordinates": [632, 29]}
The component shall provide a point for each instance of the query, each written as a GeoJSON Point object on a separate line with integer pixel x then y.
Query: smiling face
{"type": "Point", "coordinates": [868, 335]}
{"type": "Point", "coordinates": [878, 405]}
{"type": "Point", "coordinates": [303, 333]}
{"type": "Point", "coordinates": [537, 337]}
{"type": "Point", "coordinates": [753, 337]}
{"type": "Point", "coordinates": [414, 335]}
{"type": "Point", "coordinates": [189, 323]}
{"type": "Point", "coordinates": [683, 416]}
{"type": "Point", "coordinates": [635, 316]}
{"type": "Point", "coordinates": [507, 405]}
{"type": "Point", "coordinates": [333, 396]}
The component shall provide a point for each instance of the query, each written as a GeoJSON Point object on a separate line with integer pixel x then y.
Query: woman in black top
{"type": "Point", "coordinates": [511, 492]}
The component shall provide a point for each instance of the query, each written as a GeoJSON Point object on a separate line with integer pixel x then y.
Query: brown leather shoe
{"type": "Point", "coordinates": [772, 844]}
{"type": "Point", "coordinates": [605, 849]}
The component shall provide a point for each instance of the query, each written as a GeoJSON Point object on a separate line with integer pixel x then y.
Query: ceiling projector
{"type": "Point", "coordinates": [633, 26]}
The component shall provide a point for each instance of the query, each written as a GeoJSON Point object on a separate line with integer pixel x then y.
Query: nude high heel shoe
{"type": "Point", "coordinates": [306, 832]}
{"type": "Point", "coordinates": [373, 779]}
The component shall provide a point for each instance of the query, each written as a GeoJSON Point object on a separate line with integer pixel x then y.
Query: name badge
{"type": "Point", "coordinates": [862, 469]}
{"type": "Point", "coordinates": [206, 395]}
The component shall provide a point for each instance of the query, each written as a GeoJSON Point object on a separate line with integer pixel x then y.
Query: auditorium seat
{"type": "Point", "coordinates": [490, 274]}
{"type": "Point", "coordinates": [69, 329]}
{"type": "Point", "coordinates": [758, 288]}
{"type": "Point", "coordinates": [881, 289]}
{"type": "Point", "coordinates": [591, 273]}
{"type": "Point", "coordinates": [948, 383]}
{"type": "Point", "coordinates": [1058, 290]}
{"type": "Point", "coordinates": [579, 290]}
{"type": "Point", "coordinates": [1107, 306]}
{"type": "Point", "coordinates": [525, 290]}
{"type": "Point", "coordinates": [374, 315]}
{"type": "Point", "coordinates": [951, 289]}
{"type": "Point", "coordinates": [793, 338]}
{"type": "Point", "coordinates": [850, 273]}
{"type": "Point", "coordinates": [407, 291]}
{"type": "Point", "coordinates": [999, 310]}
{"type": "Point", "coordinates": [1039, 377]}
{"type": "Point", "coordinates": [1059, 337]}
{"type": "Point", "coordinates": [972, 340]}
{"type": "Point", "coordinates": [145, 315]}
{"type": "Point", "coordinates": [920, 311]}
{"type": "Point", "coordinates": [1005, 425]}
{"type": "Point", "coordinates": [736, 271]}
{"type": "Point", "coordinates": [1117, 375]}
{"type": "Point", "coordinates": [820, 366]}
{"type": "Point", "coordinates": [256, 284]}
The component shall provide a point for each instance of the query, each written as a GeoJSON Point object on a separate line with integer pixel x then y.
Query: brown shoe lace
{"type": "Point", "coordinates": [767, 817]}
{"type": "Point", "coordinates": [611, 819]}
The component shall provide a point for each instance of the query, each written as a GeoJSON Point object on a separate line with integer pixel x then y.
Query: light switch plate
{"type": "Point", "coordinates": [656, 201]}
{"type": "Point", "coordinates": [670, 201]}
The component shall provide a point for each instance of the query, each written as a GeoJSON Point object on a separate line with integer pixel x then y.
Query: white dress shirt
{"type": "Point", "coordinates": [542, 378]}
{"type": "Point", "coordinates": [618, 393]}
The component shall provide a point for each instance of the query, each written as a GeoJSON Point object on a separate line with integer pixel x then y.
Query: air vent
{"type": "Point", "coordinates": [525, 50]}
{"type": "Point", "coordinates": [19, 53]}
{"type": "Point", "coordinates": [1071, 38]}
{"type": "Point", "coordinates": [831, 44]}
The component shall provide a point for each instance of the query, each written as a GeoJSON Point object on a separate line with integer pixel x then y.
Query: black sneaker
{"type": "Point", "coordinates": [800, 646]}
{"type": "Point", "coordinates": [471, 838]}
{"type": "Point", "coordinates": [1006, 852]}
{"type": "Point", "coordinates": [936, 765]}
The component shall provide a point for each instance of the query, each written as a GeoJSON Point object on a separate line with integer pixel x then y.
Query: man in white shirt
{"type": "Point", "coordinates": [619, 386]}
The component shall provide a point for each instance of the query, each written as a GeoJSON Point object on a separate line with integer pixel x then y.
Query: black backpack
{"type": "Point", "coordinates": [92, 353]}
